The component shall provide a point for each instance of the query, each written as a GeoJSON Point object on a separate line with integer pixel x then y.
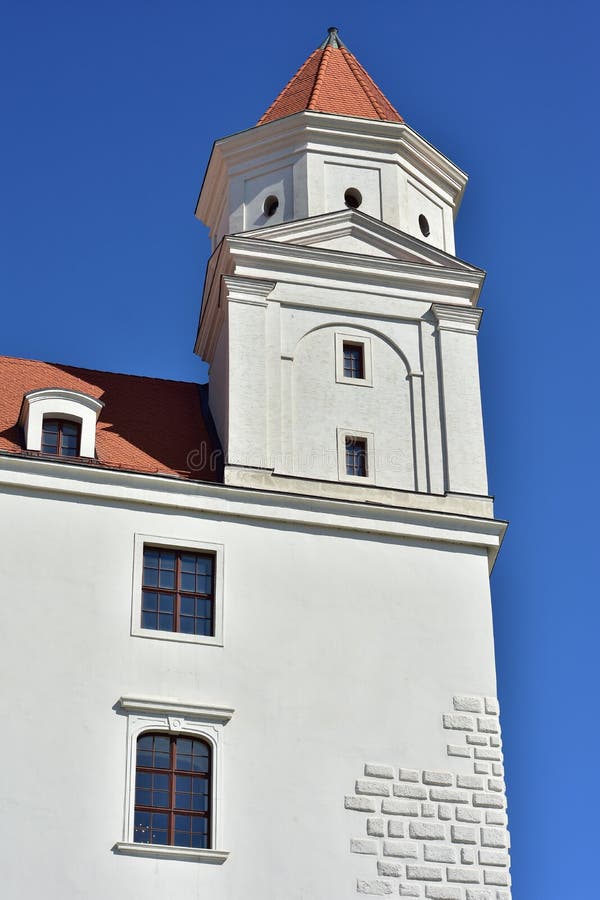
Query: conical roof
{"type": "Point", "coordinates": [332, 81]}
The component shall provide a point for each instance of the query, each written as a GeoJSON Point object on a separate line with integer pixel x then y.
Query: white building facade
{"type": "Point", "coordinates": [265, 668]}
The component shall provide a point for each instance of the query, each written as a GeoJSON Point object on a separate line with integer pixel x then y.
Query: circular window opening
{"type": "Point", "coordinates": [424, 226]}
{"type": "Point", "coordinates": [353, 198]}
{"type": "Point", "coordinates": [271, 205]}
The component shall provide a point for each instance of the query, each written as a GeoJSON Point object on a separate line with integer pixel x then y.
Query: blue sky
{"type": "Point", "coordinates": [109, 112]}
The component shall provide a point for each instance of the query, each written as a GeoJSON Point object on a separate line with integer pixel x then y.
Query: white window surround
{"type": "Point", "coordinates": [342, 338]}
{"type": "Point", "coordinates": [342, 434]}
{"type": "Point", "coordinates": [173, 717]}
{"type": "Point", "coordinates": [60, 403]}
{"type": "Point", "coordinates": [169, 543]}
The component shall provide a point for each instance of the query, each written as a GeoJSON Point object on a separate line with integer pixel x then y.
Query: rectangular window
{"type": "Point", "coordinates": [178, 591]}
{"type": "Point", "coordinates": [356, 457]}
{"type": "Point", "coordinates": [354, 360]}
{"type": "Point", "coordinates": [60, 437]}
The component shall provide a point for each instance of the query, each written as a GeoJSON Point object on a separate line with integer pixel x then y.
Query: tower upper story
{"type": "Point", "coordinates": [331, 140]}
{"type": "Point", "coordinates": [339, 326]}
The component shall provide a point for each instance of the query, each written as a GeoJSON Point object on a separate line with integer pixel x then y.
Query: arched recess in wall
{"type": "Point", "coordinates": [321, 406]}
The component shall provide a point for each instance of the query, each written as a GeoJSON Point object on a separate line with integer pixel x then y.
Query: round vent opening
{"type": "Point", "coordinates": [271, 205]}
{"type": "Point", "coordinates": [424, 226]}
{"type": "Point", "coordinates": [353, 198]}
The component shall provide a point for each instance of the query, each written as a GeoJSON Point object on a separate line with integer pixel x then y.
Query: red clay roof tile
{"type": "Point", "coordinates": [147, 425]}
{"type": "Point", "coordinates": [332, 81]}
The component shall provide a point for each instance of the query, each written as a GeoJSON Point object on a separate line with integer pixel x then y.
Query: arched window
{"type": "Point", "coordinates": [61, 437]}
{"type": "Point", "coordinates": [172, 791]}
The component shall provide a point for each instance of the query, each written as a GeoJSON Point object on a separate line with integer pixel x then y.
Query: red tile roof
{"type": "Point", "coordinates": [147, 424]}
{"type": "Point", "coordinates": [332, 81]}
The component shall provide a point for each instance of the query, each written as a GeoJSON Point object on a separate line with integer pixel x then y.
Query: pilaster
{"type": "Point", "coordinates": [461, 415]}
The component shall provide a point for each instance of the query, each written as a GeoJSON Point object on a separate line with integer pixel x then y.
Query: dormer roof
{"type": "Point", "coordinates": [332, 81]}
{"type": "Point", "coordinates": [148, 425]}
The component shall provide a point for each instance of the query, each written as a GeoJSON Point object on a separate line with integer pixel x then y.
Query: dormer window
{"type": "Point", "coordinates": [60, 422]}
{"type": "Point", "coordinates": [60, 437]}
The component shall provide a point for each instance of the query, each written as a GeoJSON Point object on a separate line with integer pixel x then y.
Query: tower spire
{"type": "Point", "coordinates": [332, 81]}
{"type": "Point", "coordinates": [333, 40]}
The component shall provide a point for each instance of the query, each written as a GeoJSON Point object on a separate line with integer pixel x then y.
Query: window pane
{"type": "Point", "coordinates": [166, 579]}
{"type": "Point", "coordinates": [199, 840]}
{"type": "Point", "coordinates": [162, 761]}
{"type": "Point", "coordinates": [50, 444]}
{"type": "Point", "coordinates": [167, 559]}
{"type": "Point", "coordinates": [354, 366]}
{"type": "Point", "coordinates": [143, 797]}
{"type": "Point", "coordinates": [187, 582]}
{"type": "Point", "coordinates": [160, 798]}
{"type": "Point", "coordinates": [165, 622]}
{"type": "Point", "coordinates": [165, 603]}
{"type": "Point", "coordinates": [187, 606]}
{"type": "Point", "coordinates": [151, 555]}
{"type": "Point", "coordinates": [356, 456]}
{"type": "Point", "coordinates": [151, 577]}
{"type": "Point", "coordinates": [188, 562]}
{"type": "Point", "coordinates": [150, 620]}
{"type": "Point", "coordinates": [162, 743]}
{"type": "Point", "coordinates": [149, 600]}
{"type": "Point", "coordinates": [183, 801]}
{"type": "Point", "coordinates": [160, 782]}
{"type": "Point", "coordinates": [183, 783]}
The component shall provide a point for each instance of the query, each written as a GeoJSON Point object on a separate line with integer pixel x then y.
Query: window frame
{"type": "Point", "coordinates": [358, 340]}
{"type": "Point", "coordinates": [172, 773]}
{"type": "Point", "coordinates": [61, 422]}
{"type": "Point", "coordinates": [177, 544]}
{"type": "Point", "coordinates": [368, 437]}
{"type": "Point", "coordinates": [176, 718]}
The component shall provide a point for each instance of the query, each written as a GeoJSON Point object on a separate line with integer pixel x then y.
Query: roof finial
{"type": "Point", "coordinates": [332, 40]}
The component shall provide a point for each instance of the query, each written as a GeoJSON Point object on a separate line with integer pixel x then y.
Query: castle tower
{"type": "Point", "coordinates": [341, 333]}
{"type": "Point", "coordinates": [272, 678]}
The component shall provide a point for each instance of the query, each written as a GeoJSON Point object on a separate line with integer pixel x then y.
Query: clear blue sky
{"type": "Point", "coordinates": [108, 115]}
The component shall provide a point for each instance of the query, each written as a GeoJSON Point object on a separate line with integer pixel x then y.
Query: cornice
{"type": "Point", "coordinates": [207, 713]}
{"type": "Point", "coordinates": [24, 475]}
{"type": "Point", "coordinates": [308, 131]}
{"type": "Point", "coordinates": [372, 272]}
{"type": "Point", "coordinates": [456, 318]}
{"type": "Point", "coordinates": [248, 290]}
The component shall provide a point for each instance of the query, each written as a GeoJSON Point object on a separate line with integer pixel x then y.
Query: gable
{"type": "Point", "coordinates": [351, 231]}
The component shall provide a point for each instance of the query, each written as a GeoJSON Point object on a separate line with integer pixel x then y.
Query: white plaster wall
{"type": "Point", "coordinates": [257, 188]}
{"type": "Point", "coordinates": [310, 174]}
{"type": "Point", "coordinates": [219, 386]}
{"type": "Point", "coordinates": [339, 649]}
{"type": "Point", "coordinates": [322, 406]}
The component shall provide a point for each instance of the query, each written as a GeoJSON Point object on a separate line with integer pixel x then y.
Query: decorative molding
{"type": "Point", "coordinates": [205, 721]}
{"type": "Point", "coordinates": [159, 851]}
{"type": "Point", "coordinates": [151, 705]}
{"type": "Point", "coordinates": [249, 290]}
{"type": "Point", "coordinates": [328, 504]}
{"type": "Point", "coordinates": [456, 318]}
{"type": "Point", "coordinates": [357, 224]}
{"type": "Point", "coordinates": [318, 264]}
